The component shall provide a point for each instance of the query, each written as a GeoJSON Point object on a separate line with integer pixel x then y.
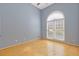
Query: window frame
{"type": "Point", "coordinates": [56, 26]}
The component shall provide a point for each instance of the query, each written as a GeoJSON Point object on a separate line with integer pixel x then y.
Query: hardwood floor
{"type": "Point", "coordinates": [41, 48]}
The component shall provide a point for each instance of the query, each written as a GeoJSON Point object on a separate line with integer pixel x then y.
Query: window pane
{"type": "Point", "coordinates": [56, 25]}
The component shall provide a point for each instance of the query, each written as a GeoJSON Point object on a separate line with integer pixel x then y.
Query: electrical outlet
{"type": "Point", "coordinates": [16, 40]}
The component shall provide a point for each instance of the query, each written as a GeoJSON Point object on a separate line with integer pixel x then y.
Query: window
{"type": "Point", "coordinates": [55, 25]}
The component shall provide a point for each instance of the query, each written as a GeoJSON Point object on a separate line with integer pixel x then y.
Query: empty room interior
{"type": "Point", "coordinates": [39, 29]}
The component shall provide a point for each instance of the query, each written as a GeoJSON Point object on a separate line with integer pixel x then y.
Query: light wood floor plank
{"type": "Point", "coordinates": [41, 48]}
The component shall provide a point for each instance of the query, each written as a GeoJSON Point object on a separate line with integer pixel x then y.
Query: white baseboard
{"type": "Point", "coordinates": [63, 42]}
{"type": "Point", "coordinates": [19, 43]}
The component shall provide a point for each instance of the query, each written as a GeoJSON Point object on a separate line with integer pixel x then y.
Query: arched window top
{"type": "Point", "coordinates": [55, 15]}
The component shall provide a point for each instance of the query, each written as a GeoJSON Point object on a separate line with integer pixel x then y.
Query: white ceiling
{"type": "Point", "coordinates": [41, 5]}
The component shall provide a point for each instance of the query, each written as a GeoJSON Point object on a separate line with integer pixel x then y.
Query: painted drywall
{"type": "Point", "coordinates": [71, 12]}
{"type": "Point", "coordinates": [18, 23]}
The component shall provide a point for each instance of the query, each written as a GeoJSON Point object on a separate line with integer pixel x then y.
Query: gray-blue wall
{"type": "Point", "coordinates": [18, 23]}
{"type": "Point", "coordinates": [71, 12]}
